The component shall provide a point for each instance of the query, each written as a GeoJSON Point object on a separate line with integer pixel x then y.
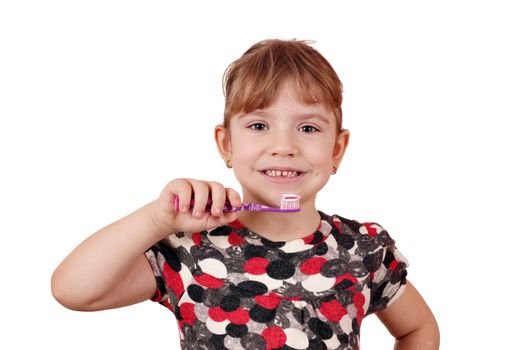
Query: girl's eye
{"type": "Point", "coordinates": [308, 129]}
{"type": "Point", "coordinates": [257, 126]}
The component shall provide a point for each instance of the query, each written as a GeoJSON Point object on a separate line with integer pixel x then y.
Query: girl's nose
{"type": "Point", "coordinates": [283, 144]}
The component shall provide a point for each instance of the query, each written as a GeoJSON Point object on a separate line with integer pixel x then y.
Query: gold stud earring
{"type": "Point", "coordinates": [229, 164]}
{"type": "Point", "coordinates": [334, 170]}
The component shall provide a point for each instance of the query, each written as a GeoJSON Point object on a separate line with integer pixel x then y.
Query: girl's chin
{"type": "Point", "coordinates": [269, 193]}
{"type": "Point", "coordinates": [270, 198]}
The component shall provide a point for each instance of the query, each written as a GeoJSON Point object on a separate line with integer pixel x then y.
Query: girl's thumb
{"type": "Point", "coordinates": [226, 218]}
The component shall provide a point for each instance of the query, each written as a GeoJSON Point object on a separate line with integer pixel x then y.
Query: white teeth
{"type": "Point", "coordinates": [284, 173]}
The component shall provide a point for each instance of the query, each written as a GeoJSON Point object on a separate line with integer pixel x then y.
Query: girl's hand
{"type": "Point", "coordinates": [169, 219]}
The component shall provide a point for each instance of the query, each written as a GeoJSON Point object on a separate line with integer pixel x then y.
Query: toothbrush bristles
{"type": "Point", "coordinates": [290, 202]}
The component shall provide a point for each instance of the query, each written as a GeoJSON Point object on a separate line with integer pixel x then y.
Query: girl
{"type": "Point", "coordinates": [258, 280]}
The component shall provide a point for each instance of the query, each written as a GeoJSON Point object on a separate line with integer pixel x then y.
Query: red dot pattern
{"type": "Point", "coordinates": [265, 290]}
{"type": "Point", "coordinates": [274, 336]}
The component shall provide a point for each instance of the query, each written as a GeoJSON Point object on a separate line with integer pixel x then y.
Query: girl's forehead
{"type": "Point", "coordinates": [288, 96]}
{"type": "Point", "coordinates": [291, 109]}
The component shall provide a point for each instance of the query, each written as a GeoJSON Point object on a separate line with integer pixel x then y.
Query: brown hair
{"type": "Point", "coordinates": [252, 81]}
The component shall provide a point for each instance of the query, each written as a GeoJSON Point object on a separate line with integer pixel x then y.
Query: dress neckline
{"type": "Point", "coordinates": [298, 244]}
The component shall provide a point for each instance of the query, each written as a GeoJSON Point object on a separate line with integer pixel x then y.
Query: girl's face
{"type": "Point", "coordinates": [288, 147]}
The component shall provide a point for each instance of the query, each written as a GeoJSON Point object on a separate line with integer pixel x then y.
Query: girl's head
{"type": "Point", "coordinates": [252, 82]}
{"type": "Point", "coordinates": [282, 121]}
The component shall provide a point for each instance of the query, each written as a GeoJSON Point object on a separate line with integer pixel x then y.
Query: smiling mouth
{"type": "Point", "coordinates": [282, 173]}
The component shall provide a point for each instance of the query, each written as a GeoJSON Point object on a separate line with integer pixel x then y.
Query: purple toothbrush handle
{"type": "Point", "coordinates": [259, 207]}
{"type": "Point", "coordinates": [244, 207]}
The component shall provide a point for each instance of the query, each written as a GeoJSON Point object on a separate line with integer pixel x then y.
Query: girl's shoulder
{"type": "Point", "coordinates": [368, 239]}
{"type": "Point", "coordinates": [365, 233]}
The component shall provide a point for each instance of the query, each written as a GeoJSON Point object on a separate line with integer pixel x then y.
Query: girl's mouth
{"type": "Point", "coordinates": [282, 176]}
{"type": "Point", "coordinates": [283, 173]}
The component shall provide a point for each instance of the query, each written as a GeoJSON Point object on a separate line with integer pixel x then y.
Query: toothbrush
{"type": "Point", "coordinates": [289, 204]}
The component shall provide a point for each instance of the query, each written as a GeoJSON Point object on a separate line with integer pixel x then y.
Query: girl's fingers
{"type": "Point", "coordinates": [200, 197]}
{"type": "Point", "coordinates": [182, 190]}
{"type": "Point", "coordinates": [218, 197]}
{"type": "Point", "coordinates": [191, 198]}
{"type": "Point", "coordinates": [233, 197]}
{"type": "Point", "coordinates": [194, 196]}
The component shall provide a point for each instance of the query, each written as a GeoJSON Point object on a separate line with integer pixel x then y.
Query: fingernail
{"type": "Point", "coordinates": [197, 214]}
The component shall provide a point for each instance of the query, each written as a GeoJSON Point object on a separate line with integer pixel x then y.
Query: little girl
{"type": "Point", "coordinates": [258, 280]}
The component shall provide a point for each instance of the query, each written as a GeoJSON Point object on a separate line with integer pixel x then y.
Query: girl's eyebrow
{"type": "Point", "coordinates": [256, 112]}
{"type": "Point", "coordinates": [302, 116]}
{"type": "Point", "coordinates": [316, 116]}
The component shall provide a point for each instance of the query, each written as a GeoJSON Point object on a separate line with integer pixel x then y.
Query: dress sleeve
{"type": "Point", "coordinates": [167, 268]}
{"type": "Point", "coordinates": [388, 282]}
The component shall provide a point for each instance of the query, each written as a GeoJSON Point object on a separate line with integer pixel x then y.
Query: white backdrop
{"type": "Point", "coordinates": [103, 102]}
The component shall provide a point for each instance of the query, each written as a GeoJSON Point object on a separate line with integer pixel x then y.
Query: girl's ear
{"type": "Point", "coordinates": [341, 143]}
{"type": "Point", "coordinates": [223, 141]}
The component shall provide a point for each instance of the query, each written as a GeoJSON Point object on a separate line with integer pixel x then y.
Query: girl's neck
{"type": "Point", "coordinates": [282, 226]}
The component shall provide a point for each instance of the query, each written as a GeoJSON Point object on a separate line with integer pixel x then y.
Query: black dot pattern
{"type": "Point", "coordinates": [231, 288]}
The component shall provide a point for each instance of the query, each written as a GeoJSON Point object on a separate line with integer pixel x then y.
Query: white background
{"type": "Point", "coordinates": [103, 102]}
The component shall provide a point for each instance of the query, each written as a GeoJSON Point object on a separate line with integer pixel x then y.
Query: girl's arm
{"type": "Point", "coordinates": [411, 322]}
{"type": "Point", "coordinates": [109, 269]}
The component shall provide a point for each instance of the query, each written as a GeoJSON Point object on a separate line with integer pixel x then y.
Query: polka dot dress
{"type": "Point", "coordinates": [231, 288]}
